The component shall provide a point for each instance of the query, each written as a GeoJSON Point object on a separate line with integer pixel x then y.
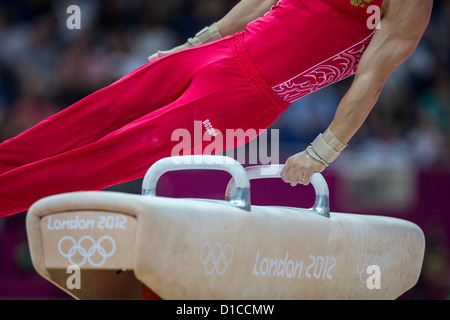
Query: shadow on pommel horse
{"type": "Point", "coordinates": [109, 245]}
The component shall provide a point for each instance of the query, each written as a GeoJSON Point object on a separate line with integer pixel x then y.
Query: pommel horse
{"type": "Point", "coordinates": [219, 249]}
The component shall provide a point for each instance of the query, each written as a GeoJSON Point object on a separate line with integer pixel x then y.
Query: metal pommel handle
{"type": "Point", "coordinates": [241, 196]}
{"type": "Point", "coordinates": [322, 203]}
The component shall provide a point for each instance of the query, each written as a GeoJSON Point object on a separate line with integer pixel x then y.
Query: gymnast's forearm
{"type": "Point", "coordinates": [242, 14]}
{"type": "Point", "coordinates": [350, 115]}
{"type": "Point", "coordinates": [235, 21]}
{"type": "Point", "coordinates": [355, 107]}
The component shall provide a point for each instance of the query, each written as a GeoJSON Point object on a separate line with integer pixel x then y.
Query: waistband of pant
{"type": "Point", "coordinates": [254, 75]}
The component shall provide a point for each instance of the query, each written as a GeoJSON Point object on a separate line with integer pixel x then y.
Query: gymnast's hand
{"type": "Point", "coordinates": [299, 168]}
{"type": "Point", "coordinates": [161, 54]}
{"type": "Point", "coordinates": [206, 35]}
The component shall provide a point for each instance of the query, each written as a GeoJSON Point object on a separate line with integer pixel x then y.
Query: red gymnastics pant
{"type": "Point", "coordinates": [115, 134]}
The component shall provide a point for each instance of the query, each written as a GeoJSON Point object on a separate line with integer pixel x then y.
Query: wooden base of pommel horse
{"type": "Point", "coordinates": [107, 245]}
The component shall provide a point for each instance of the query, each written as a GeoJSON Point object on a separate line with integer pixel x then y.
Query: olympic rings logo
{"type": "Point", "coordinates": [86, 249]}
{"type": "Point", "coordinates": [216, 258]}
{"type": "Point", "coordinates": [364, 261]}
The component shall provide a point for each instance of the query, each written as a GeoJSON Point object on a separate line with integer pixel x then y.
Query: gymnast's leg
{"type": "Point", "coordinates": [219, 91]}
{"type": "Point", "coordinates": [146, 89]}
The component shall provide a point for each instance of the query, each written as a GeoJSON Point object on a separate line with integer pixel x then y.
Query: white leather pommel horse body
{"type": "Point", "coordinates": [214, 249]}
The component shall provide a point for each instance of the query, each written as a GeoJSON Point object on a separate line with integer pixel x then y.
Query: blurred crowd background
{"type": "Point", "coordinates": [45, 67]}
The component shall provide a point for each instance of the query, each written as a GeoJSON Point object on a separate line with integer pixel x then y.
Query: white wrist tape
{"type": "Point", "coordinates": [327, 146]}
{"type": "Point", "coordinates": [207, 34]}
{"type": "Point", "coordinates": [315, 156]}
{"type": "Point", "coordinates": [333, 142]}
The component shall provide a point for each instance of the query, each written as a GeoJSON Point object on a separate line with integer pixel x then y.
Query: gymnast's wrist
{"type": "Point", "coordinates": [206, 35]}
{"type": "Point", "coordinates": [326, 147]}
